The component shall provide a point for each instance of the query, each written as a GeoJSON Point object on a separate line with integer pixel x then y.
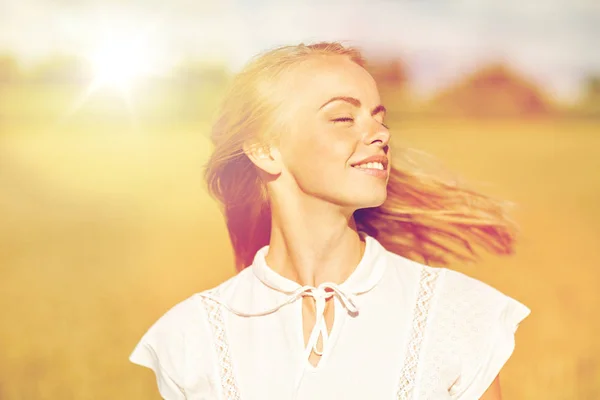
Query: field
{"type": "Point", "coordinates": [104, 227]}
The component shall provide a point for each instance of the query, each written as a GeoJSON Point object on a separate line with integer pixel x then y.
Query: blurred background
{"type": "Point", "coordinates": [105, 108]}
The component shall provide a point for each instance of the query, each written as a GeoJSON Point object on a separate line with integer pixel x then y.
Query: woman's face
{"type": "Point", "coordinates": [335, 121]}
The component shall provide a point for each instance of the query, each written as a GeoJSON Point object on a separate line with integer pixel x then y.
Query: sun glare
{"type": "Point", "coordinates": [119, 66]}
{"type": "Point", "coordinates": [120, 61]}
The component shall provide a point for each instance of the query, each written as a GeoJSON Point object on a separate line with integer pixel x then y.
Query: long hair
{"type": "Point", "coordinates": [426, 217]}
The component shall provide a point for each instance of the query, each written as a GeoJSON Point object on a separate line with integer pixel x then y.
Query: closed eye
{"type": "Point", "coordinates": [348, 119]}
{"type": "Point", "coordinates": [343, 119]}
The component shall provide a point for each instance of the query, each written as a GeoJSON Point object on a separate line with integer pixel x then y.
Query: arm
{"type": "Point", "coordinates": [493, 392]}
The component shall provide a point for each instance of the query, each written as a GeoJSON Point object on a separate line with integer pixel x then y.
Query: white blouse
{"type": "Point", "coordinates": [402, 330]}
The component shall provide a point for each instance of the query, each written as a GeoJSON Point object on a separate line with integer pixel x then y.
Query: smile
{"type": "Point", "coordinates": [373, 169]}
{"type": "Point", "coordinates": [370, 165]}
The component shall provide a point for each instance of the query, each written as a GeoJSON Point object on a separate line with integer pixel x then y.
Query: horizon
{"type": "Point", "coordinates": [551, 44]}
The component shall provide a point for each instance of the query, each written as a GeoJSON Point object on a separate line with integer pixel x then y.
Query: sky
{"type": "Point", "coordinates": [554, 42]}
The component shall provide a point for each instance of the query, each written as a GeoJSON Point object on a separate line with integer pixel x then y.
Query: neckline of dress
{"type": "Point", "coordinates": [365, 276]}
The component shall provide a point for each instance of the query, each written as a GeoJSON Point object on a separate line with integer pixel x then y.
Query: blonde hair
{"type": "Point", "coordinates": [426, 217]}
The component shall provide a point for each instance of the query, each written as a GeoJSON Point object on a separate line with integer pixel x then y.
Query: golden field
{"type": "Point", "coordinates": [103, 227]}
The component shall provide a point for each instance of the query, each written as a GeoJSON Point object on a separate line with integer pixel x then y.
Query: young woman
{"type": "Point", "coordinates": [335, 298]}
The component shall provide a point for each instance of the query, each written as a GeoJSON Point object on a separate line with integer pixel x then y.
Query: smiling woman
{"type": "Point", "coordinates": [335, 298]}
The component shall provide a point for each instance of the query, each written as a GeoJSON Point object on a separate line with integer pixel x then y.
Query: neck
{"type": "Point", "coordinates": [313, 242]}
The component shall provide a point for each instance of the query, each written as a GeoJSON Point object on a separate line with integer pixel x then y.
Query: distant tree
{"type": "Point", "coordinates": [200, 84]}
{"type": "Point", "coordinates": [593, 86]}
{"type": "Point", "coordinates": [493, 91]}
{"type": "Point", "coordinates": [388, 73]}
{"type": "Point", "coordinates": [392, 81]}
{"type": "Point", "coordinates": [192, 72]}
{"type": "Point", "coordinates": [589, 103]}
{"type": "Point", "coordinates": [9, 69]}
{"type": "Point", "coordinates": [61, 70]}
{"type": "Point", "coordinates": [591, 96]}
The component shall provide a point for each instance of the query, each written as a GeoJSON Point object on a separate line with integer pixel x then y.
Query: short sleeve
{"type": "Point", "coordinates": [171, 349]}
{"type": "Point", "coordinates": [145, 354]}
{"type": "Point", "coordinates": [483, 323]}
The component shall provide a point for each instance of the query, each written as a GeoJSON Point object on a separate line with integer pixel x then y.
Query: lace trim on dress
{"type": "Point", "coordinates": [421, 313]}
{"type": "Point", "coordinates": [215, 318]}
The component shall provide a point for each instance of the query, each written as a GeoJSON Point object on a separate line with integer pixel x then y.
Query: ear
{"type": "Point", "coordinates": [265, 157]}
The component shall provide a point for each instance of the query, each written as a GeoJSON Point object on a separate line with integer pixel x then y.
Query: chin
{"type": "Point", "coordinates": [369, 200]}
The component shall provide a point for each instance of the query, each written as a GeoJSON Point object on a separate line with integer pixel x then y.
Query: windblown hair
{"type": "Point", "coordinates": [426, 217]}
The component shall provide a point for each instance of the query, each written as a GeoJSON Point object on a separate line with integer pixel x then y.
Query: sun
{"type": "Point", "coordinates": [120, 61]}
{"type": "Point", "coordinates": [119, 65]}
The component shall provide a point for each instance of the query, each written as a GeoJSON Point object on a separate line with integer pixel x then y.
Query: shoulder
{"type": "Point", "coordinates": [182, 316]}
{"type": "Point", "coordinates": [189, 316]}
{"type": "Point", "coordinates": [407, 272]}
{"type": "Point", "coordinates": [467, 326]}
{"type": "Point", "coordinates": [474, 324]}
{"type": "Point", "coordinates": [456, 282]}
{"type": "Point", "coordinates": [178, 346]}
{"type": "Point", "coordinates": [478, 301]}
{"type": "Point", "coordinates": [171, 337]}
{"type": "Point", "coordinates": [451, 291]}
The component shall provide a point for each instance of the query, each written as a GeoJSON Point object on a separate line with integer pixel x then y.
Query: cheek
{"type": "Point", "coordinates": [321, 152]}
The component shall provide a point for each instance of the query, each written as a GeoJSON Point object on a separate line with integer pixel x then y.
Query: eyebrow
{"type": "Point", "coordinates": [356, 103]}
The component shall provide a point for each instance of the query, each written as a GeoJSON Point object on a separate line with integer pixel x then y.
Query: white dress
{"type": "Point", "coordinates": [402, 330]}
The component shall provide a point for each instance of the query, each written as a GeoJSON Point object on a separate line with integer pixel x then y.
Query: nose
{"type": "Point", "coordinates": [378, 134]}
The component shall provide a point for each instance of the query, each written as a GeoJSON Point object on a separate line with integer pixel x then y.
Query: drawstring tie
{"type": "Point", "coordinates": [320, 294]}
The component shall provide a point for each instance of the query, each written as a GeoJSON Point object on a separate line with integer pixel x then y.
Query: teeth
{"type": "Point", "coordinates": [370, 165]}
